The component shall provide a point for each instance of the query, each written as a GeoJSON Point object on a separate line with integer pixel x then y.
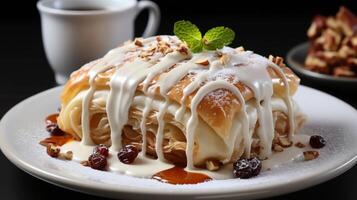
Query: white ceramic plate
{"type": "Point", "coordinates": [23, 127]}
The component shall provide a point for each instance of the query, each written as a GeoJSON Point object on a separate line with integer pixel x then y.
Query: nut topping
{"type": "Point", "coordinates": [311, 155]}
{"type": "Point", "coordinates": [333, 44]}
{"type": "Point", "coordinates": [224, 59]}
{"type": "Point", "coordinates": [277, 148]}
{"type": "Point", "coordinates": [284, 142]}
{"type": "Point", "coordinates": [85, 163]}
{"type": "Point", "coordinates": [299, 145]}
{"type": "Point", "coordinates": [66, 156]}
{"type": "Point", "coordinates": [203, 62]}
{"type": "Point", "coordinates": [183, 49]}
{"type": "Point", "coordinates": [212, 165]}
{"type": "Point", "coordinates": [138, 42]}
{"type": "Point", "coordinates": [240, 49]}
{"type": "Point", "coordinates": [53, 150]}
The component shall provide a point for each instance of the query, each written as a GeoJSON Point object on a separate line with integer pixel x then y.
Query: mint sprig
{"type": "Point", "coordinates": [215, 38]}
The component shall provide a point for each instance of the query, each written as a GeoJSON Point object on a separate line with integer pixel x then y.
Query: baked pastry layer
{"type": "Point", "coordinates": [204, 109]}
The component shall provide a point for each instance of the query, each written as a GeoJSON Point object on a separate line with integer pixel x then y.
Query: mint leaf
{"type": "Point", "coordinates": [217, 38]}
{"type": "Point", "coordinates": [190, 34]}
{"type": "Point", "coordinates": [196, 46]}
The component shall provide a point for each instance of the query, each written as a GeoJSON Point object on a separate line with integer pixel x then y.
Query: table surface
{"type": "Point", "coordinates": [25, 72]}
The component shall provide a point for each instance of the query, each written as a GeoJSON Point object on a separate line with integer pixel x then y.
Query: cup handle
{"type": "Point", "coordinates": [154, 17]}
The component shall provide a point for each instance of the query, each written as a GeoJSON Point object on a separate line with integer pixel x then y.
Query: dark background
{"type": "Point", "coordinates": [266, 27]}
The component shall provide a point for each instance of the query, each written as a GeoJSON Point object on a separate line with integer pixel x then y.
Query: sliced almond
{"type": "Point", "coordinates": [85, 163]}
{"type": "Point", "coordinates": [138, 42]}
{"type": "Point", "coordinates": [277, 60]}
{"type": "Point", "coordinates": [183, 50]}
{"type": "Point", "coordinates": [66, 156]}
{"type": "Point", "coordinates": [212, 165]}
{"type": "Point", "coordinates": [224, 59]}
{"type": "Point", "coordinates": [240, 49]}
{"type": "Point", "coordinates": [219, 54]}
{"type": "Point", "coordinates": [299, 145]}
{"type": "Point", "coordinates": [311, 155]}
{"type": "Point", "coordinates": [152, 49]}
{"type": "Point", "coordinates": [277, 148]}
{"type": "Point", "coordinates": [203, 62]}
{"type": "Point", "coordinates": [284, 142]}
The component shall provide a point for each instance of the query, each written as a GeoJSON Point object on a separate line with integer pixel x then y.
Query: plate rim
{"type": "Point", "coordinates": [111, 190]}
{"type": "Point", "coordinates": [296, 66]}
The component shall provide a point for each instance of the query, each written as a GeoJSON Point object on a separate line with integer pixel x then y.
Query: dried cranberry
{"type": "Point", "coordinates": [97, 161]}
{"type": "Point", "coordinates": [53, 129]}
{"type": "Point", "coordinates": [102, 150]}
{"type": "Point", "coordinates": [128, 154]}
{"type": "Point", "coordinates": [247, 168]}
{"type": "Point", "coordinates": [317, 141]}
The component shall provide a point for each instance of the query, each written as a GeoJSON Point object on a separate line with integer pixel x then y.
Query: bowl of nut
{"type": "Point", "coordinates": [330, 55]}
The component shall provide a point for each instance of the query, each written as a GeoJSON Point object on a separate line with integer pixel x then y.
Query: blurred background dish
{"type": "Point", "coordinates": [296, 61]}
{"type": "Point", "coordinates": [329, 59]}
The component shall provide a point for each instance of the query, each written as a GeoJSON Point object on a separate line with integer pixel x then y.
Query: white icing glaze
{"type": "Point", "coordinates": [245, 67]}
{"type": "Point", "coordinates": [193, 121]}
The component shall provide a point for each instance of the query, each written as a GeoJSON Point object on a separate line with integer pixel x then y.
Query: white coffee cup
{"type": "Point", "coordinates": [77, 31]}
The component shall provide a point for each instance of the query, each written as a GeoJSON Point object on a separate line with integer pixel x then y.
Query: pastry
{"type": "Point", "coordinates": [200, 110]}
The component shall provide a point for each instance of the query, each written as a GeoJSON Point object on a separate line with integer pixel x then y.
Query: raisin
{"type": "Point", "coordinates": [128, 154]}
{"type": "Point", "coordinates": [97, 161]}
{"type": "Point", "coordinates": [247, 168]}
{"type": "Point", "coordinates": [53, 129]}
{"type": "Point", "coordinates": [101, 149]}
{"type": "Point", "coordinates": [317, 141]}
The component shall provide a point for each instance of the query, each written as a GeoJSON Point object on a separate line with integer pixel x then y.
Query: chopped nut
{"type": "Point", "coordinates": [152, 49]}
{"type": "Point", "coordinates": [165, 49]}
{"type": "Point", "coordinates": [158, 38]}
{"type": "Point", "coordinates": [343, 71]}
{"type": "Point", "coordinates": [212, 165]}
{"type": "Point", "coordinates": [310, 155]}
{"type": "Point", "coordinates": [203, 62]}
{"type": "Point", "coordinates": [224, 59]}
{"type": "Point", "coordinates": [348, 21]}
{"type": "Point", "coordinates": [299, 145]}
{"type": "Point", "coordinates": [183, 50]}
{"type": "Point", "coordinates": [333, 44]}
{"type": "Point", "coordinates": [218, 54]}
{"type": "Point", "coordinates": [332, 40]}
{"type": "Point", "coordinates": [66, 156]}
{"type": "Point", "coordinates": [277, 60]}
{"type": "Point", "coordinates": [163, 43]}
{"type": "Point", "coordinates": [277, 148]}
{"type": "Point", "coordinates": [53, 150]}
{"type": "Point", "coordinates": [85, 163]}
{"type": "Point", "coordinates": [240, 49]}
{"type": "Point", "coordinates": [284, 142]}
{"type": "Point", "coordinates": [138, 42]}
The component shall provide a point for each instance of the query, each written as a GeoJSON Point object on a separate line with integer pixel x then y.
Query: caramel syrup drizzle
{"type": "Point", "coordinates": [57, 140]}
{"type": "Point", "coordinates": [179, 176]}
